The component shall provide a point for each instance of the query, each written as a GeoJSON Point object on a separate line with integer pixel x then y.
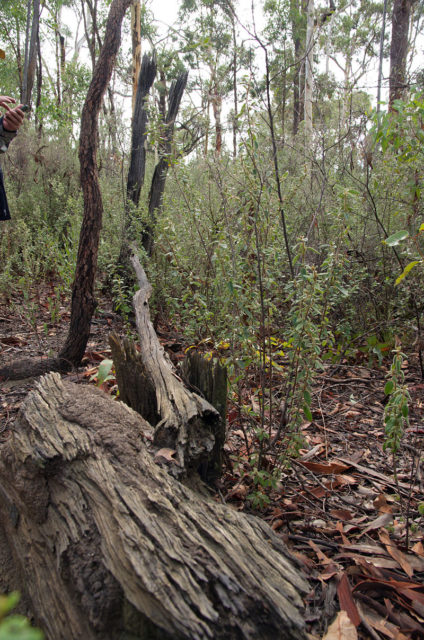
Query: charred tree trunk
{"type": "Point", "coordinates": [104, 544]}
{"type": "Point", "coordinates": [399, 49]}
{"type": "Point", "coordinates": [159, 176]}
{"type": "Point", "coordinates": [137, 168]}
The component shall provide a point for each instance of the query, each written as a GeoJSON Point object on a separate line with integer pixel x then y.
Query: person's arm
{"type": "Point", "coordinates": [9, 123]}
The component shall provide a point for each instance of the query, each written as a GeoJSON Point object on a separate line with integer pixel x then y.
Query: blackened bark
{"type": "Point", "coordinates": [159, 177]}
{"type": "Point", "coordinates": [399, 49]}
{"type": "Point", "coordinates": [138, 152]}
{"type": "Point", "coordinates": [83, 300]}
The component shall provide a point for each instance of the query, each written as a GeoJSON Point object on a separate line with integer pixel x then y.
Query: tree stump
{"type": "Point", "coordinates": [183, 420]}
{"type": "Point", "coordinates": [107, 545]}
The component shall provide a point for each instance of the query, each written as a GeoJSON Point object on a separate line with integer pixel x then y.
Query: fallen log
{"type": "Point", "coordinates": [183, 420]}
{"type": "Point", "coordinates": [108, 545]}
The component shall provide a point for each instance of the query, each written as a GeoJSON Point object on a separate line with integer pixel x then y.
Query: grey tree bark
{"type": "Point", "coordinates": [399, 49]}
{"type": "Point", "coordinates": [30, 50]}
{"type": "Point", "coordinates": [104, 544]}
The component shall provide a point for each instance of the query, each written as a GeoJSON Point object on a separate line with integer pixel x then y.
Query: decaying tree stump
{"type": "Point", "coordinates": [183, 420]}
{"type": "Point", "coordinates": [107, 545]}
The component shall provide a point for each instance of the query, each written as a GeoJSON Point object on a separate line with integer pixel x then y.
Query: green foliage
{"type": "Point", "coordinates": [401, 136]}
{"type": "Point", "coordinates": [12, 626]}
{"type": "Point", "coordinates": [396, 411]}
{"type": "Point", "coordinates": [104, 372]}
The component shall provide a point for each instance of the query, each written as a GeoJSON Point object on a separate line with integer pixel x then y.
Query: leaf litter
{"type": "Point", "coordinates": [338, 506]}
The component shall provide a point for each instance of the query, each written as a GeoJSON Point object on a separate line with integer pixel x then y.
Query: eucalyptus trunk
{"type": "Point", "coordinates": [309, 77]}
{"type": "Point", "coordinates": [399, 49]}
{"type": "Point", "coordinates": [30, 50]}
{"type": "Point", "coordinates": [136, 47]}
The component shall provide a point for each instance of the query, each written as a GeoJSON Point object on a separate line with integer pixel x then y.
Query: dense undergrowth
{"type": "Point", "coordinates": [346, 279]}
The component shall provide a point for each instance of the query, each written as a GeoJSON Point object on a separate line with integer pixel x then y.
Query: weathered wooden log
{"type": "Point", "coordinates": [183, 420]}
{"type": "Point", "coordinates": [108, 546]}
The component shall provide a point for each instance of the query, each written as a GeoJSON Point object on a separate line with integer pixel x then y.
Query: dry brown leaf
{"type": "Point", "coordinates": [381, 521]}
{"type": "Point", "coordinates": [418, 548]}
{"type": "Point", "coordinates": [312, 452]}
{"type": "Point", "coordinates": [372, 549]}
{"type": "Point", "coordinates": [351, 414]}
{"type": "Point", "coordinates": [341, 628]}
{"type": "Point", "coordinates": [346, 600]}
{"type": "Point", "coordinates": [240, 492]}
{"type": "Point", "coordinates": [381, 562]}
{"type": "Point", "coordinates": [324, 467]}
{"type": "Point", "coordinates": [380, 624]}
{"type": "Point", "coordinates": [395, 552]}
{"type": "Point", "coordinates": [335, 410]}
{"type": "Point", "coordinates": [339, 527]}
{"type": "Point", "coordinates": [341, 514]}
{"type": "Point", "coordinates": [325, 560]}
{"type": "Point", "coordinates": [380, 503]}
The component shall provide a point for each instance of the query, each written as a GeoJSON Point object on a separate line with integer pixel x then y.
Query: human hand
{"type": "Point", "coordinates": [6, 99]}
{"type": "Point", "coordinates": [13, 119]}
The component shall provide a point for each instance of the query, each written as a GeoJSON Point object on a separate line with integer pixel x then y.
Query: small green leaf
{"type": "Point", "coordinates": [396, 238]}
{"type": "Point", "coordinates": [389, 387]}
{"type": "Point", "coordinates": [407, 269]}
{"type": "Point", "coordinates": [307, 397]}
{"type": "Point", "coordinates": [307, 412]}
{"type": "Point", "coordinates": [8, 602]}
{"type": "Point", "coordinates": [103, 371]}
{"type": "Point", "coordinates": [405, 410]}
{"type": "Point", "coordinates": [18, 628]}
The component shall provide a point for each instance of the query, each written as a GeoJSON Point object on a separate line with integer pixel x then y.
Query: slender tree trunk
{"type": "Point", "coordinates": [136, 47]}
{"type": "Point", "coordinates": [19, 54]}
{"type": "Point", "coordinates": [26, 52]}
{"type": "Point", "coordinates": [31, 53]}
{"type": "Point", "coordinates": [89, 27]}
{"type": "Point", "coordinates": [137, 168]}
{"type": "Point", "coordinates": [399, 49]}
{"type": "Point", "coordinates": [381, 55]}
{"type": "Point", "coordinates": [216, 101]}
{"type": "Point", "coordinates": [299, 35]}
{"type": "Point", "coordinates": [235, 96]}
{"type": "Point", "coordinates": [159, 176]}
{"type": "Point", "coordinates": [217, 111]}
{"type": "Point", "coordinates": [347, 93]}
{"type": "Point", "coordinates": [309, 77]}
{"type": "Point", "coordinates": [208, 108]}
{"type": "Point", "coordinates": [39, 84]}
{"type": "Point", "coordinates": [83, 301]}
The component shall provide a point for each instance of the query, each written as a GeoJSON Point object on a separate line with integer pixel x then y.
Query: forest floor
{"type": "Point", "coordinates": [356, 527]}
